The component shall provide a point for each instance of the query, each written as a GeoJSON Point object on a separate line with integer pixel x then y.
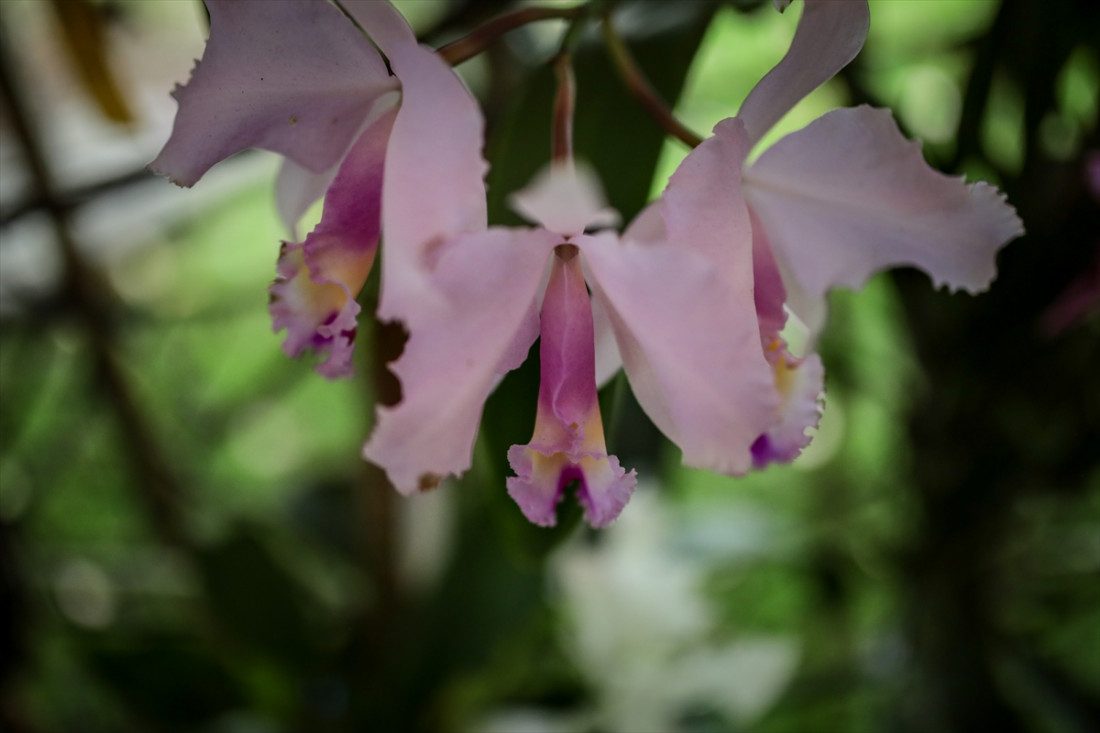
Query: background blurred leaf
{"type": "Point", "coordinates": [84, 33]}
{"type": "Point", "coordinates": [257, 601]}
{"type": "Point", "coordinates": [172, 680]}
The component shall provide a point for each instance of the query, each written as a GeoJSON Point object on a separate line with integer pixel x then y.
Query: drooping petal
{"type": "Point", "coordinates": [435, 187]}
{"type": "Point", "coordinates": [801, 384]}
{"type": "Point", "coordinates": [848, 195]}
{"type": "Point", "coordinates": [319, 279]}
{"type": "Point", "coordinates": [703, 209]}
{"type": "Point", "coordinates": [298, 188]}
{"type": "Point", "coordinates": [690, 346]}
{"type": "Point", "coordinates": [830, 33]}
{"type": "Point", "coordinates": [568, 442]}
{"type": "Point", "coordinates": [679, 293]}
{"type": "Point", "coordinates": [465, 331]}
{"type": "Point", "coordinates": [768, 291]}
{"type": "Point", "coordinates": [387, 28]}
{"type": "Point", "coordinates": [648, 225]}
{"type": "Point", "coordinates": [565, 198]}
{"type": "Point", "coordinates": [295, 78]}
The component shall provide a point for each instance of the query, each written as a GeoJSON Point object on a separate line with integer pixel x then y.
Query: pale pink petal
{"type": "Point", "coordinates": [801, 385]}
{"type": "Point", "coordinates": [298, 188]}
{"type": "Point", "coordinates": [703, 208]}
{"type": "Point", "coordinates": [565, 198]}
{"type": "Point", "coordinates": [799, 382]}
{"type": "Point", "coordinates": [568, 442]}
{"type": "Point", "coordinates": [690, 345]}
{"type": "Point", "coordinates": [386, 27]}
{"type": "Point", "coordinates": [830, 33]}
{"type": "Point", "coordinates": [648, 225]}
{"type": "Point", "coordinates": [318, 280]}
{"type": "Point", "coordinates": [464, 331]}
{"type": "Point", "coordinates": [296, 78]}
{"type": "Point", "coordinates": [435, 172]}
{"type": "Point", "coordinates": [679, 292]}
{"type": "Point", "coordinates": [848, 196]}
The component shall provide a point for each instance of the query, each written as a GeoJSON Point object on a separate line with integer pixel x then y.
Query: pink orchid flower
{"type": "Point", "coordinates": [688, 337]}
{"type": "Point", "coordinates": [300, 79]}
{"type": "Point", "coordinates": [834, 203]}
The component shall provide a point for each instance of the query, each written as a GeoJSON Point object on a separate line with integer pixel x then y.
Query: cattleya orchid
{"type": "Point", "coordinates": [300, 79]}
{"type": "Point", "coordinates": [687, 335]}
{"type": "Point", "coordinates": [837, 201]}
{"type": "Point", "coordinates": [692, 299]}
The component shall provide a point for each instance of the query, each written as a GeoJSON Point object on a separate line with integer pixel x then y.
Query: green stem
{"type": "Point", "coordinates": [561, 133]}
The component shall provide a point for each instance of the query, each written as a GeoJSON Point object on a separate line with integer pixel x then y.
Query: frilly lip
{"type": "Point", "coordinates": [568, 442]}
{"type": "Point", "coordinates": [542, 476]}
{"type": "Point", "coordinates": [317, 312]}
{"type": "Point", "coordinates": [801, 385]}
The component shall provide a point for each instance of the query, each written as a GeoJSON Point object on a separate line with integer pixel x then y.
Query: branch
{"type": "Point", "coordinates": [640, 88]}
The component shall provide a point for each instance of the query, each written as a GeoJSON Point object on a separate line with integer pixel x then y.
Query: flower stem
{"type": "Point", "coordinates": [480, 38]}
{"type": "Point", "coordinates": [561, 133]}
{"type": "Point", "coordinates": [638, 85]}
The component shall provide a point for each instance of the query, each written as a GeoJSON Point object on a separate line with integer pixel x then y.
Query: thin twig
{"type": "Point", "coordinates": [479, 39]}
{"type": "Point", "coordinates": [638, 85]}
{"type": "Point", "coordinates": [89, 300]}
{"type": "Point", "coordinates": [561, 132]}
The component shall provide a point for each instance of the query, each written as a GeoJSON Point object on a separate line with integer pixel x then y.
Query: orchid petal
{"type": "Point", "coordinates": [385, 25]}
{"type": "Point", "coordinates": [690, 346]}
{"type": "Point", "coordinates": [318, 280]}
{"type": "Point", "coordinates": [298, 188]}
{"type": "Point", "coordinates": [568, 443]}
{"type": "Point", "coordinates": [679, 293]}
{"type": "Point", "coordinates": [830, 33]}
{"type": "Point", "coordinates": [703, 209]}
{"type": "Point", "coordinates": [465, 331]}
{"type": "Point", "coordinates": [848, 196]}
{"type": "Point", "coordinates": [565, 198]}
{"type": "Point", "coordinates": [648, 225]}
{"type": "Point", "coordinates": [801, 383]}
{"type": "Point", "coordinates": [295, 78]}
{"type": "Point", "coordinates": [435, 173]}
{"type": "Point", "coordinates": [435, 188]}
{"type": "Point", "coordinates": [768, 291]}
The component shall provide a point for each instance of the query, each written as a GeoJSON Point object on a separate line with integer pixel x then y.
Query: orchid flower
{"type": "Point", "coordinates": [688, 336]}
{"type": "Point", "coordinates": [300, 79]}
{"type": "Point", "coordinates": [836, 202]}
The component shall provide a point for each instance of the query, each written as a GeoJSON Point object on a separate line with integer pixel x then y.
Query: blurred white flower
{"type": "Point", "coordinates": [644, 636]}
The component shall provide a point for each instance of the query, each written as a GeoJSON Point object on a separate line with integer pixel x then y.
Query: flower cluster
{"type": "Point", "coordinates": [691, 299]}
